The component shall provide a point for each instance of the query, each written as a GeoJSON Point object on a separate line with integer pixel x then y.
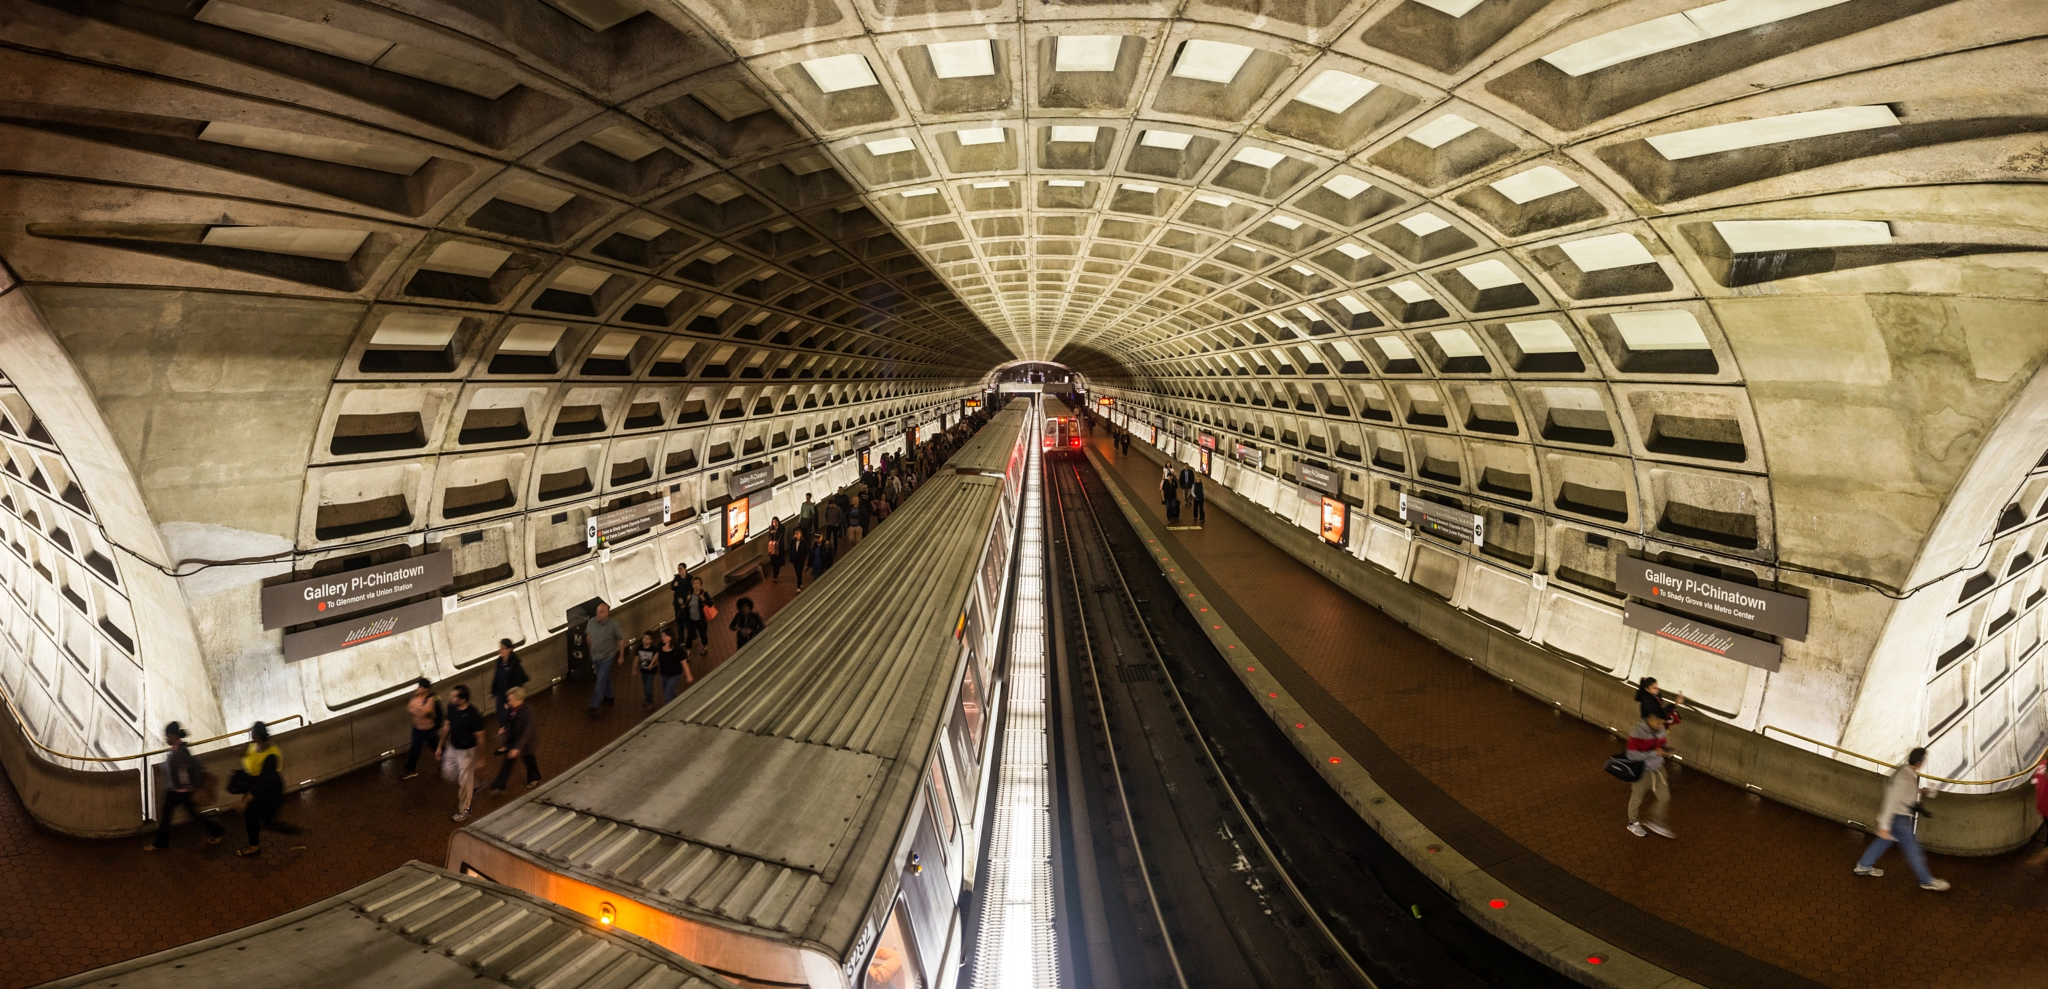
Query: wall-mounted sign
{"type": "Point", "coordinates": [1712, 597]}
{"type": "Point", "coordinates": [616, 527]}
{"type": "Point", "coordinates": [735, 522]}
{"type": "Point", "coordinates": [1251, 455]}
{"type": "Point", "coordinates": [1701, 636]}
{"type": "Point", "coordinates": [818, 457]}
{"type": "Point", "coordinates": [741, 483]}
{"type": "Point", "coordinates": [860, 438]}
{"type": "Point", "coordinates": [891, 428]}
{"type": "Point", "coordinates": [356, 631]}
{"type": "Point", "coordinates": [356, 590]}
{"type": "Point", "coordinates": [1207, 441]}
{"type": "Point", "coordinates": [1318, 478]}
{"type": "Point", "coordinates": [1334, 517]}
{"type": "Point", "coordinates": [1445, 521]}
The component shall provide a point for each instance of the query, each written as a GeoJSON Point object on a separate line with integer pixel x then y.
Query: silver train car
{"type": "Point", "coordinates": [809, 813]}
{"type": "Point", "coordinates": [415, 927]}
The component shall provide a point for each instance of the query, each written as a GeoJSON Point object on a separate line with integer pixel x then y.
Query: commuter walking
{"type": "Point", "coordinates": [425, 711]}
{"type": "Point", "coordinates": [834, 518]}
{"type": "Point", "coordinates": [679, 589]}
{"type": "Point", "coordinates": [673, 661]}
{"type": "Point", "coordinates": [1187, 476]}
{"type": "Point", "coordinates": [775, 550]}
{"type": "Point", "coordinates": [607, 642]}
{"type": "Point", "coordinates": [807, 516]}
{"type": "Point", "coordinates": [508, 672]}
{"type": "Point", "coordinates": [2036, 860]}
{"type": "Point", "coordinates": [460, 731]}
{"type": "Point", "coordinates": [892, 490]}
{"type": "Point", "coordinates": [1646, 742]}
{"type": "Point", "coordinates": [182, 776]}
{"type": "Point", "coordinates": [1169, 494]}
{"type": "Point", "coordinates": [746, 623]}
{"type": "Point", "coordinates": [857, 520]}
{"type": "Point", "coordinates": [697, 611]}
{"type": "Point", "coordinates": [1650, 700]}
{"type": "Point", "coordinates": [263, 768]}
{"type": "Point", "coordinates": [644, 660]}
{"type": "Point", "coordinates": [821, 558]}
{"type": "Point", "coordinates": [1195, 500]}
{"type": "Point", "coordinates": [517, 731]}
{"type": "Point", "coordinates": [1902, 796]}
{"type": "Point", "coordinates": [799, 555]}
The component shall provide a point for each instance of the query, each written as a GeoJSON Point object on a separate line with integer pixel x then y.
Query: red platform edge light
{"type": "Point", "coordinates": [1334, 760]}
{"type": "Point", "coordinates": [1596, 959]}
{"type": "Point", "coordinates": [1497, 904]}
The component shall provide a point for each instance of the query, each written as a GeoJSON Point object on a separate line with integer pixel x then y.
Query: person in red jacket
{"type": "Point", "coordinates": [2036, 860]}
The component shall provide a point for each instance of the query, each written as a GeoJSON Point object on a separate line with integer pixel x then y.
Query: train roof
{"type": "Point", "coordinates": [990, 449]}
{"type": "Point", "coordinates": [415, 927]}
{"type": "Point", "coordinates": [769, 799]}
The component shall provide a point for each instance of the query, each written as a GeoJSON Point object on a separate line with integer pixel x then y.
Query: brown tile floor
{"type": "Point", "coordinates": [69, 904]}
{"type": "Point", "coordinates": [1751, 874]}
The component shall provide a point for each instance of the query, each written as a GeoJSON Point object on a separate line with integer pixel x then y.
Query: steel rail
{"type": "Point", "coordinates": [1115, 765]}
{"type": "Point", "coordinates": [1202, 739]}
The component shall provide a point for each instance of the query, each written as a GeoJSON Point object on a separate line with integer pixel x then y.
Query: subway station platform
{"type": "Point", "coordinates": [69, 904]}
{"type": "Point", "coordinates": [1751, 894]}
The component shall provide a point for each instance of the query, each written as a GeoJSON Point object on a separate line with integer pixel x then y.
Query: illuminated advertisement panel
{"type": "Point", "coordinates": [735, 522]}
{"type": "Point", "coordinates": [1334, 518]}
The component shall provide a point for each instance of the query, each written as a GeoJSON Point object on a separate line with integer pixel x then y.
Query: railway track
{"type": "Point", "coordinates": [1201, 850]}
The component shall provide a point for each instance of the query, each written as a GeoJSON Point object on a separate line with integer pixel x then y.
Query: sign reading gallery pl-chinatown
{"type": "Point", "coordinates": [1318, 478]}
{"type": "Point", "coordinates": [741, 483]}
{"type": "Point", "coordinates": [1765, 611]}
{"type": "Point", "coordinates": [351, 591]}
{"type": "Point", "coordinates": [1251, 455]}
{"type": "Point", "coordinates": [1701, 636]}
{"type": "Point", "coordinates": [818, 456]}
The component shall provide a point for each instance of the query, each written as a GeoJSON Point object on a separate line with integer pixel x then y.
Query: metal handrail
{"type": "Point", "coordinates": [1767, 729]}
{"type": "Point", "coordinates": [33, 740]}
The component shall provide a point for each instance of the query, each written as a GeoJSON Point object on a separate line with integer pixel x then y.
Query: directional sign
{"type": "Point", "coordinates": [1444, 521]}
{"type": "Point", "coordinates": [1712, 597]}
{"type": "Point", "coordinates": [1706, 638]}
{"type": "Point", "coordinates": [633, 520]}
{"type": "Point", "coordinates": [356, 590]}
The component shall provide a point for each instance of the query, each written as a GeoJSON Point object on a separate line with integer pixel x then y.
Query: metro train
{"type": "Point", "coordinates": [1062, 435]}
{"type": "Point", "coordinates": [808, 814]}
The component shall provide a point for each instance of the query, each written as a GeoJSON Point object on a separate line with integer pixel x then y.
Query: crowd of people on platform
{"type": "Point", "coordinates": [451, 729]}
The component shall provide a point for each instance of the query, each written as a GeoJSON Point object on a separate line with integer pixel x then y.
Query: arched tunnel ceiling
{"type": "Point", "coordinates": [1754, 280]}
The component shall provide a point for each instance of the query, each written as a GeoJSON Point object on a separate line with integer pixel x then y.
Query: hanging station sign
{"type": "Point", "coordinates": [1251, 455]}
{"type": "Point", "coordinates": [1444, 521]}
{"type": "Point", "coordinates": [355, 632]}
{"type": "Point", "coordinates": [615, 527]}
{"type": "Point", "coordinates": [741, 483]}
{"type": "Point", "coordinates": [1319, 478]}
{"type": "Point", "coordinates": [1207, 441]}
{"type": "Point", "coordinates": [860, 439]}
{"type": "Point", "coordinates": [356, 590]}
{"type": "Point", "coordinates": [1706, 638]}
{"type": "Point", "coordinates": [819, 457]}
{"type": "Point", "coordinates": [1770, 612]}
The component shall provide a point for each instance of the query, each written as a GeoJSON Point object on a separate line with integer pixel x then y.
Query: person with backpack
{"type": "Point", "coordinates": [459, 733]}
{"type": "Point", "coordinates": [1895, 821]}
{"type": "Point", "coordinates": [425, 711]}
{"type": "Point", "coordinates": [673, 662]}
{"type": "Point", "coordinates": [644, 656]}
{"type": "Point", "coordinates": [262, 778]}
{"type": "Point", "coordinates": [182, 779]}
{"type": "Point", "coordinates": [746, 623]}
{"type": "Point", "coordinates": [506, 673]}
{"type": "Point", "coordinates": [1646, 742]}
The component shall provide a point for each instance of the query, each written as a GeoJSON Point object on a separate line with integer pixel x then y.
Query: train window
{"type": "Point", "coordinates": [894, 965]}
{"type": "Point", "coordinates": [970, 705]}
{"type": "Point", "coordinates": [941, 798]}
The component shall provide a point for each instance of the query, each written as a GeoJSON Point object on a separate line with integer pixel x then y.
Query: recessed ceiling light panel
{"type": "Point", "coordinates": [840, 73]}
